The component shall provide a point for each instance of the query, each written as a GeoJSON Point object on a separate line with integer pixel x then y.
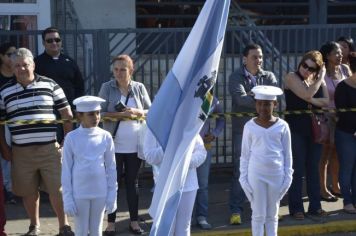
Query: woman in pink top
{"type": "Point", "coordinates": [335, 73]}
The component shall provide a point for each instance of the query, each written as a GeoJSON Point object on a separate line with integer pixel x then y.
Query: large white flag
{"type": "Point", "coordinates": [180, 109]}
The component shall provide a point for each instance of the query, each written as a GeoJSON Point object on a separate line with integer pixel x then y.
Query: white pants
{"type": "Point", "coordinates": [89, 218]}
{"type": "Point", "coordinates": [265, 203]}
{"type": "Point", "coordinates": [184, 214]}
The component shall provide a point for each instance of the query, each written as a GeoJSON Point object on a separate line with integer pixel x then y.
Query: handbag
{"type": "Point", "coordinates": [118, 122]}
{"type": "Point", "coordinates": [320, 128]}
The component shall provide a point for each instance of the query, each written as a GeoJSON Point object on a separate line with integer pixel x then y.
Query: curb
{"type": "Point", "coordinates": [341, 226]}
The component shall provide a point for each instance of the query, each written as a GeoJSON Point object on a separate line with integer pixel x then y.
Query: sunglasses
{"type": "Point", "coordinates": [57, 40]}
{"type": "Point", "coordinates": [310, 69]}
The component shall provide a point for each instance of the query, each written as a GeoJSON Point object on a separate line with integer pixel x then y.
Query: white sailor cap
{"type": "Point", "coordinates": [88, 103]}
{"type": "Point", "coordinates": [265, 92]}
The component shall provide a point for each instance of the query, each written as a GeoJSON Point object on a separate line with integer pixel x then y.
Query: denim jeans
{"type": "Point", "coordinates": [6, 174]}
{"type": "Point", "coordinates": [346, 152]}
{"type": "Point", "coordinates": [201, 201]}
{"type": "Point", "coordinates": [237, 195]}
{"type": "Point", "coordinates": [306, 157]}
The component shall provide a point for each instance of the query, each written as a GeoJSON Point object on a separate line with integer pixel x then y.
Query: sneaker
{"type": "Point", "coordinates": [235, 219]}
{"type": "Point", "coordinates": [350, 209]}
{"type": "Point", "coordinates": [202, 223]}
{"type": "Point", "coordinates": [33, 230]}
{"type": "Point", "coordinates": [11, 201]}
{"type": "Point", "coordinates": [10, 198]}
{"type": "Point", "coordinates": [66, 230]}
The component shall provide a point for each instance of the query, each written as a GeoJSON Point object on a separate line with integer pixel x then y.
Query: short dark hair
{"type": "Point", "coordinates": [49, 30]}
{"type": "Point", "coordinates": [327, 48]}
{"type": "Point", "coordinates": [249, 47]}
{"type": "Point", "coordinates": [349, 41]}
{"type": "Point", "coordinates": [4, 47]}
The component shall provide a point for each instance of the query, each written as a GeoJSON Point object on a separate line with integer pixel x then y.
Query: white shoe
{"type": "Point", "coordinates": [202, 223]}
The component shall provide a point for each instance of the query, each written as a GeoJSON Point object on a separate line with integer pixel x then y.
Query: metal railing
{"type": "Point", "coordinates": [154, 52]}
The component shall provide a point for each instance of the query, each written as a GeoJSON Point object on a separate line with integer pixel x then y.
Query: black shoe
{"type": "Point", "coordinates": [339, 195]}
{"type": "Point", "coordinates": [319, 213]}
{"type": "Point", "coordinates": [329, 199]}
{"type": "Point", "coordinates": [66, 230]}
{"type": "Point", "coordinates": [138, 231]}
{"type": "Point", "coordinates": [33, 230]}
{"type": "Point", "coordinates": [109, 233]}
{"type": "Point", "coordinates": [11, 201]}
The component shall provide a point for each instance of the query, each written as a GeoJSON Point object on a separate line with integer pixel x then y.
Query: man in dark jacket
{"type": "Point", "coordinates": [58, 66]}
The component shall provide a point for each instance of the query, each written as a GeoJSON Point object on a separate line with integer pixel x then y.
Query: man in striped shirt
{"type": "Point", "coordinates": [35, 153]}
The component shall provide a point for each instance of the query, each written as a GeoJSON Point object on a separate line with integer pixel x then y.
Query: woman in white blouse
{"type": "Point", "coordinates": [135, 103]}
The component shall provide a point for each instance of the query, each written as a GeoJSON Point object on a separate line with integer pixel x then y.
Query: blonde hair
{"type": "Point", "coordinates": [126, 58]}
{"type": "Point", "coordinates": [314, 56]}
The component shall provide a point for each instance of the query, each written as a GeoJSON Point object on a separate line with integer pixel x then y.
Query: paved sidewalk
{"type": "Point", "coordinates": [337, 221]}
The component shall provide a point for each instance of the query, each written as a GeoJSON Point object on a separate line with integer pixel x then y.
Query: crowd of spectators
{"type": "Point", "coordinates": [43, 88]}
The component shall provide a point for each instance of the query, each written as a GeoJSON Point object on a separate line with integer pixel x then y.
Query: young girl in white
{"type": "Point", "coordinates": [88, 170]}
{"type": "Point", "coordinates": [266, 161]}
{"type": "Point", "coordinates": [153, 154]}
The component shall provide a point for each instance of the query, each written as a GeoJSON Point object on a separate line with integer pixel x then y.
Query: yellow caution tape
{"type": "Point", "coordinates": [214, 116]}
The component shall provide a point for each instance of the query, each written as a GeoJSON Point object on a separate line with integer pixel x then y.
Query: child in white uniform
{"type": "Point", "coordinates": [88, 170]}
{"type": "Point", "coordinates": [266, 161]}
{"type": "Point", "coordinates": [153, 154]}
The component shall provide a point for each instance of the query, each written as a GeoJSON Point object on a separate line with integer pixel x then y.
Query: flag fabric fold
{"type": "Point", "coordinates": [180, 108]}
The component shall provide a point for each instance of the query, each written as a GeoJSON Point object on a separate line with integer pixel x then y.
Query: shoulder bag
{"type": "Point", "coordinates": [118, 122]}
{"type": "Point", "coordinates": [320, 128]}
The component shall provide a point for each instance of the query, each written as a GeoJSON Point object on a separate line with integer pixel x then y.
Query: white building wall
{"type": "Point", "coordinates": [106, 14]}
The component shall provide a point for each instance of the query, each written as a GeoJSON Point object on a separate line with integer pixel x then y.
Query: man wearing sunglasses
{"type": "Point", "coordinates": [241, 83]}
{"type": "Point", "coordinates": [53, 64]}
{"type": "Point", "coordinates": [61, 68]}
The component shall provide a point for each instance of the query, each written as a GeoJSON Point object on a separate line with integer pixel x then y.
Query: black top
{"type": "Point", "coordinates": [64, 71]}
{"type": "Point", "coordinates": [299, 123]}
{"type": "Point", "coordinates": [5, 79]}
{"type": "Point", "coordinates": [345, 97]}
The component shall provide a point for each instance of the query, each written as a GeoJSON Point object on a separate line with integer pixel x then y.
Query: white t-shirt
{"type": "Point", "coordinates": [126, 138]}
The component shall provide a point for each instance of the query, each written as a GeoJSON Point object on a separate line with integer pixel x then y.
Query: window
{"type": "Point", "coordinates": [21, 23]}
{"type": "Point", "coordinates": [18, 1]}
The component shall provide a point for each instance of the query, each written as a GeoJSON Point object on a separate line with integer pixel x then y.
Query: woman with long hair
{"type": "Point", "coordinates": [335, 73]}
{"type": "Point", "coordinates": [303, 89]}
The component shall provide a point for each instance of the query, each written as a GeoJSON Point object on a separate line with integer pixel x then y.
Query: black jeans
{"type": "Point", "coordinates": [127, 166]}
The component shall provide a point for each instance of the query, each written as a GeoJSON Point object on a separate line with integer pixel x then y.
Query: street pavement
{"type": "Point", "coordinates": [336, 224]}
